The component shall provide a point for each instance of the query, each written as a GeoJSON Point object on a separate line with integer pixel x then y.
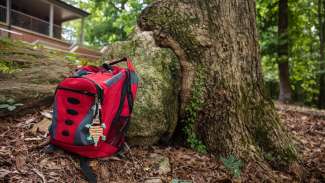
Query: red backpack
{"type": "Point", "coordinates": [92, 111]}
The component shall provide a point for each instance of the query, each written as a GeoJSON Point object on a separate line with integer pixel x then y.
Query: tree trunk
{"type": "Point", "coordinates": [283, 61]}
{"type": "Point", "coordinates": [321, 20]}
{"type": "Point", "coordinates": [222, 95]}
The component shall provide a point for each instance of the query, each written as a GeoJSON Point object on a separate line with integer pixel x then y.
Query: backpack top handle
{"type": "Point", "coordinates": [107, 66]}
{"type": "Point", "coordinates": [118, 61]}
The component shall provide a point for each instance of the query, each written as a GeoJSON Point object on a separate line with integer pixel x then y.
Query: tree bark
{"type": "Point", "coordinates": [321, 20]}
{"type": "Point", "coordinates": [283, 49]}
{"type": "Point", "coordinates": [222, 91]}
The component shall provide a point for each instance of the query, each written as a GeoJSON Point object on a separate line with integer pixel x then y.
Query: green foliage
{"type": "Point", "coordinates": [10, 105]}
{"type": "Point", "coordinates": [193, 140]}
{"type": "Point", "coordinates": [78, 60]}
{"type": "Point", "coordinates": [8, 67]}
{"type": "Point", "coordinates": [232, 164]}
{"type": "Point", "coordinates": [6, 42]}
{"type": "Point", "coordinates": [191, 112]}
{"type": "Point", "coordinates": [110, 20]}
{"type": "Point", "coordinates": [303, 47]}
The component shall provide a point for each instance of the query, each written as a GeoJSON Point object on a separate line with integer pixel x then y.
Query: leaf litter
{"type": "Point", "coordinates": [23, 159]}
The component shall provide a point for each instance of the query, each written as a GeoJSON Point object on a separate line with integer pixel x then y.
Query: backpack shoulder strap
{"type": "Point", "coordinates": [83, 162]}
{"type": "Point", "coordinates": [86, 170]}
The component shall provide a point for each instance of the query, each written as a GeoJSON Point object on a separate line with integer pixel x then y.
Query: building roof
{"type": "Point", "coordinates": [69, 7]}
{"type": "Point", "coordinates": [40, 9]}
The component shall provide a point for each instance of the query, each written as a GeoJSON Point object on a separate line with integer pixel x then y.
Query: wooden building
{"type": "Point", "coordinates": [40, 21]}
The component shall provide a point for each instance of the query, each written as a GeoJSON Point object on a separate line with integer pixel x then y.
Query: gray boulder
{"type": "Point", "coordinates": [155, 112]}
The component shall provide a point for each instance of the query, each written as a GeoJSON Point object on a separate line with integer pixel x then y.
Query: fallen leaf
{"type": "Point", "coordinates": [20, 161]}
{"type": "Point", "coordinates": [4, 172]}
{"type": "Point", "coordinates": [47, 114]}
{"type": "Point", "coordinates": [41, 126]}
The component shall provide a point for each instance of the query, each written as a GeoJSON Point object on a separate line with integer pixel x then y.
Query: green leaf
{"type": "Point", "coordinates": [4, 106]}
{"type": "Point", "coordinates": [11, 108]}
{"type": "Point", "coordinates": [10, 101]}
{"type": "Point", "coordinates": [236, 173]}
{"type": "Point", "coordinates": [232, 164]}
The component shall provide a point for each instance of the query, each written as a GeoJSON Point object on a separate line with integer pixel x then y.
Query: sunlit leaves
{"type": "Point", "coordinates": [110, 20]}
{"type": "Point", "coordinates": [303, 45]}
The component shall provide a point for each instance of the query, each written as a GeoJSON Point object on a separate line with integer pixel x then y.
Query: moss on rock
{"type": "Point", "coordinates": [29, 75]}
{"type": "Point", "coordinates": [155, 112]}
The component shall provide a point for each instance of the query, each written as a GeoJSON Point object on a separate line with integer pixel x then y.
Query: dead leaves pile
{"type": "Point", "coordinates": [308, 129]}
{"type": "Point", "coordinates": [22, 156]}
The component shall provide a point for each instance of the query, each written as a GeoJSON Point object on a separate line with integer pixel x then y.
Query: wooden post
{"type": "Point", "coordinates": [81, 35]}
{"type": "Point", "coordinates": [8, 16]}
{"type": "Point", "coordinates": [8, 12]}
{"type": "Point", "coordinates": [51, 20]}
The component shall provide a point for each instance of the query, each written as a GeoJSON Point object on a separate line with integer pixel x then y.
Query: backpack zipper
{"type": "Point", "coordinates": [77, 91]}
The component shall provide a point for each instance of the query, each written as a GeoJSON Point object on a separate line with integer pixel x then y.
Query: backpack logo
{"type": "Point", "coordinates": [96, 131]}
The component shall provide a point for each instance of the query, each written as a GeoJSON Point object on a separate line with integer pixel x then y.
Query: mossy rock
{"type": "Point", "coordinates": [155, 112]}
{"type": "Point", "coordinates": [31, 77]}
{"type": "Point", "coordinates": [29, 74]}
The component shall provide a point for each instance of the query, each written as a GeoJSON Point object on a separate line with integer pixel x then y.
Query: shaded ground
{"type": "Point", "coordinates": [308, 128]}
{"type": "Point", "coordinates": [22, 158]}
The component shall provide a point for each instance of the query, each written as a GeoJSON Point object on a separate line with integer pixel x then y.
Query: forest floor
{"type": "Point", "coordinates": [22, 157]}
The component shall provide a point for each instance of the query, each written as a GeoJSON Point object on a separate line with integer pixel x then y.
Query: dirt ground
{"type": "Point", "coordinates": [22, 156]}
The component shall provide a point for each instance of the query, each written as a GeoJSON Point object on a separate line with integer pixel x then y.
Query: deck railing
{"type": "Point", "coordinates": [37, 25]}
{"type": "Point", "coordinates": [3, 13]}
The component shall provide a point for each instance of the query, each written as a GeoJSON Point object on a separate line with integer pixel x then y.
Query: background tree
{"type": "Point", "coordinates": [303, 48]}
{"type": "Point", "coordinates": [321, 21]}
{"type": "Point", "coordinates": [283, 51]}
{"type": "Point", "coordinates": [223, 101]}
{"type": "Point", "coordinates": [110, 20]}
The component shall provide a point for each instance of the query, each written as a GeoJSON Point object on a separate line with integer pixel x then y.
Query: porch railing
{"type": "Point", "coordinates": [3, 13]}
{"type": "Point", "coordinates": [37, 25]}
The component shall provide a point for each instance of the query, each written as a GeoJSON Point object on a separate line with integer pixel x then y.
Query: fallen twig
{"type": "Point", "coordinates": [4, 133]}
{"type": "Point", "coordinates": [33, 139]}
{"type": "Point", "coordinates": [39, 174]}
{"type": "Point", "coordinates": [41, 144]}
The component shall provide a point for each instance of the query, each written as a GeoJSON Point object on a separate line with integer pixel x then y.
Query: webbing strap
{"type": "Point", "coordinates": [130, 102]}
{"type": "Point", "coordinates": [123, 95]}
{"type": "Point", "coordinates": [50, 149]}
{"type": "Point", "coordinates": [126, 93]}
{"type": "Point", "coordinates": [84, 164]}
{"type": "Point", "coordinates": [86, 170]}
{"type": "Point", "coordinates": [129, 92]}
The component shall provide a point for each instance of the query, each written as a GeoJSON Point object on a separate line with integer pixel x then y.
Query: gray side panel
{"type": "Point", "coordinates": [114, 79]}
{"type": "Point", "coordinates": [134, 78]}
{"type": "Point", "coordinates": [54, 121]}
{"type": "Point", "coordinates": [82, 132]}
